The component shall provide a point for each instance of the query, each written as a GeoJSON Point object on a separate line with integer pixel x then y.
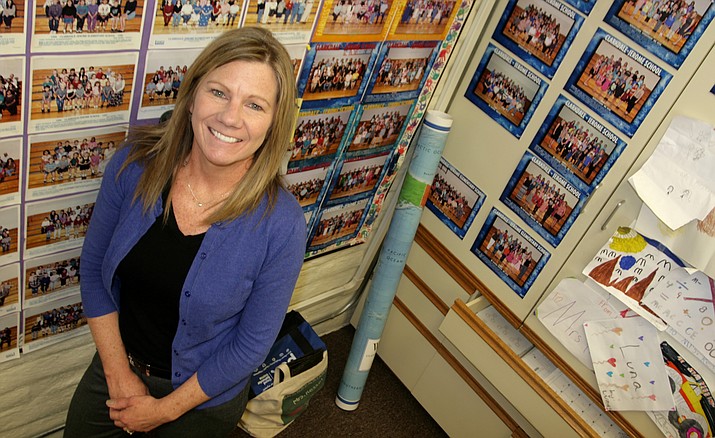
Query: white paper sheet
{"type": "Point", "coordinates": [506, 332]}
{"type": "Point", "coordinates": [686, 301]}
{"type": "Point", "coordinates": [693, 242]}
{"type": "Point", "coordinates": [677, 181]}
{"type": "Point", "coordinates": [629, 365]}
{"type": "Point", "coordinates": [566, 308]}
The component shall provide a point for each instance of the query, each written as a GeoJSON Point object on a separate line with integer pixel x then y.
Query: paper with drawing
{"type": "Point", "coordinates": [686, 301]}
{"type": "Point", "coordinates": [677, 181]}
{"type": "Point", "coordinates": [564, 311]}
{"type": "Point", "coordinates": [628, 266]}
{"type": "Point", "coordinates": [628, 365]}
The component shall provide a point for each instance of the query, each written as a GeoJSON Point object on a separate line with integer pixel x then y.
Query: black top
{"type": "Point", "coordinates": [152, 275]}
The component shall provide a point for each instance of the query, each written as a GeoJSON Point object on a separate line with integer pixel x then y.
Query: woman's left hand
{"type": "Point", "coordinates": [138, 413]}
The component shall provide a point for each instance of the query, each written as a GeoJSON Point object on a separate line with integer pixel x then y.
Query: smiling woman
{"type": "Point", "coordinates": [181, 205]}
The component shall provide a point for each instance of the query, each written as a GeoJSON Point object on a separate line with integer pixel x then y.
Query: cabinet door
{"type": "Point", "coordinates": [696, 101]}
{"type": "Point", "coordinates": [487, 154]}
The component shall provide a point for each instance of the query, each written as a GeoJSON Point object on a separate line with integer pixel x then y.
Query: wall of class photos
{"type": "Point", "coordinates": [74, 77]}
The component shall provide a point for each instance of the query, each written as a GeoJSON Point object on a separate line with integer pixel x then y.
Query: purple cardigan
{"type": "Point", "coordinates": [235, 295]}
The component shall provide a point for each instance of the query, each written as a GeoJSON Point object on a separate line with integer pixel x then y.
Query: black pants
{"type": "Point", "coordinates": [88, 414]}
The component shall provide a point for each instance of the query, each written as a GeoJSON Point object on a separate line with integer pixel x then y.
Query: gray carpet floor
{"type": "Point", "coordinates": [386, 409]}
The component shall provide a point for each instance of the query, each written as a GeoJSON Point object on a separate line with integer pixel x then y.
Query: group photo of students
{"type": "Point", "coordinates": [336, 226]}
{"type": "Point", "coordinates": [536, 29]}
{"type": "Point", "coordinates": [381, 129]}
{"type": "Point", "coordinates": [318, 136]}
{"type": "Point", "coordinates": [356, 180]}
{"type": "Point", "coordinates": [332, 77]}
{"type": "Point", "coordinates": [575, 145]}
{"type": "Point", "coordinates": [399, 75]}
{"type": "Point", "coordinates": [8, 338]}
{"type": "Point", "coordinates": [10, 96]}
{"type": "Point", "coordinates": [449, 200]}
{"type": "Point", "coordinates": [207, 15]}
{"type": "Point", "coordinates": [621, 86]}
{"type": "Point", "coordinates": [58, 225]}
{"type": "Point", "coordinates": [669, 22]}
{"type": "Point", "coordinates": [425, 16]}
{"type": "Point", "coordinates": [6, 288]}
{"type": "Point", "coordinates": [162, 86]}
{"type": "Point", "coordinates": [70, 160]}
{"type": "Point", "coordinates": [55, 321]}
{"type": "Point", "coordinates": [87, 16]}
{"type": "Point", "coordinates": [79, 91]}
{"type": "Point", "coordinates": [504, 94]}
{"type": "Point", "coordinates": [52, 277]}
{"type": "Point", "coordinates": [510, 253]}
{"type": "Point", "coordinates": [542, 199]}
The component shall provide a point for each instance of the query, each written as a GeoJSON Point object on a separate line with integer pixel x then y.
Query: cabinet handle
{"type": "Point", "coordinates": [610, 216]}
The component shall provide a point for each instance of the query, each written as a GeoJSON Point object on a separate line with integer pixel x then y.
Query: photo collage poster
{"type": "Point", "coordinates": [72, 87]}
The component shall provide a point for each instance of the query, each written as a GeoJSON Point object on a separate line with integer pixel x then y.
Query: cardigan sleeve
{"type": "Point", "coordinates": [96, 298]}
{"type": "Point", "coordinates": [266, 306]}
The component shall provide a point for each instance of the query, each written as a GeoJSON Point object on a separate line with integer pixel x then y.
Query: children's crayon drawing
{"type": "Point", "coordinates": [628, 365]}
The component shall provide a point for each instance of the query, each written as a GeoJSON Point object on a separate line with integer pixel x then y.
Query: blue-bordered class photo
{"type": "Point", "coordinates": [506, 90]}
{"type": "Point", "coordinates": [514, 256]}
{"type": "Point", "coordinates": [454, 199]}
{"type": "Point", "coordinates": [577, 145]}
{"type": "Point", "coordinates": [543, 198]}
{"type": "Point", "coordinates": [538, 31]}
{"type": "Point", "coordinates": [668, 29]}
{"type": "Point", "coordinates": [617, 82]}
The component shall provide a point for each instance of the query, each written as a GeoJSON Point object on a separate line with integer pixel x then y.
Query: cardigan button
{"type": "Point", "coordinates": [187, 293]}
{"type": "Point", "coordinates": [203, 255]}
{"type": "Point", "coordinates": [177, 374]}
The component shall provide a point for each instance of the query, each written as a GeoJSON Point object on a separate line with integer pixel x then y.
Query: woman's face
{"type": "Point", "coordinates": [232, 112]}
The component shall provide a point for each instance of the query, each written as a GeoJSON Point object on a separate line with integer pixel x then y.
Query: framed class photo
{"type": "Point", "coordinates": [53, 322]}
{"type": "Point", "coordinates": [68, 162]}
{"type": "Point", "coordinates": [308, 186]}
{"type": "Point", "coordinates": [335, 74]}
{"type": "Point", "coordinates": [9, 337]}
{"type": "Point", "coordinates": [318, 137]}
{"type": "Point", "coordinates": [454, 199]}
{"type": "Point", "coordinates": [9, 234]}
{"type": "Point", "coordinates": [12, 71]}
{"type": "Point", "coordinates": [94, 25]}
{"type": "Point", "coordinates": [81, 91]}
{"type": "Point", "coordinates": [617, 82]}
{"type": "Point", "coordinates": [353, 20]}
{"type": "Point", "coordinates": [669, 30]}
{"type": "Point", "coordinates": [50, 278]}
{"type": "Point", "coordinates": [164, 72]}
{"type": "Point", "coordinates": [506, 90]}
{"type": "Point", "coordinates": [577, 145]}
{"type": "Point", "coordinates": [10, 289]}
{"type": "Point", "coordinates": [543, 198]}
{"type": "Point", "coordinates": [356, 178]}
{"type": "Point", "coordinates": [47, 223]}
{"type": "Point", "coordinates": [11, 159]}
{"type": "Point", "coordinates": [422, 19]}
{"type": "Point", "coordinates": [290, 22]}
{"type": "Point", "coordinates": [401, 70]}
{"type": "Point", "coordinates": [538, 31]}
{"type": "Point", "coordinates": [377, 128]}
{"type": "Point", "coordinates": [336, 226]}
{"type": "Point", "coordinates": [514, 256]}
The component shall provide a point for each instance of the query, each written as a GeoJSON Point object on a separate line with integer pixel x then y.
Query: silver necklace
{"type": "Point", "coordinates": [193, 195]}
{"type": "Point", "coordinates": [200, 203]}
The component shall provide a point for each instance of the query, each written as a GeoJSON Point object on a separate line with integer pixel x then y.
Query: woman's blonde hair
{"type": "Point", "coordinates": [163, 148]}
